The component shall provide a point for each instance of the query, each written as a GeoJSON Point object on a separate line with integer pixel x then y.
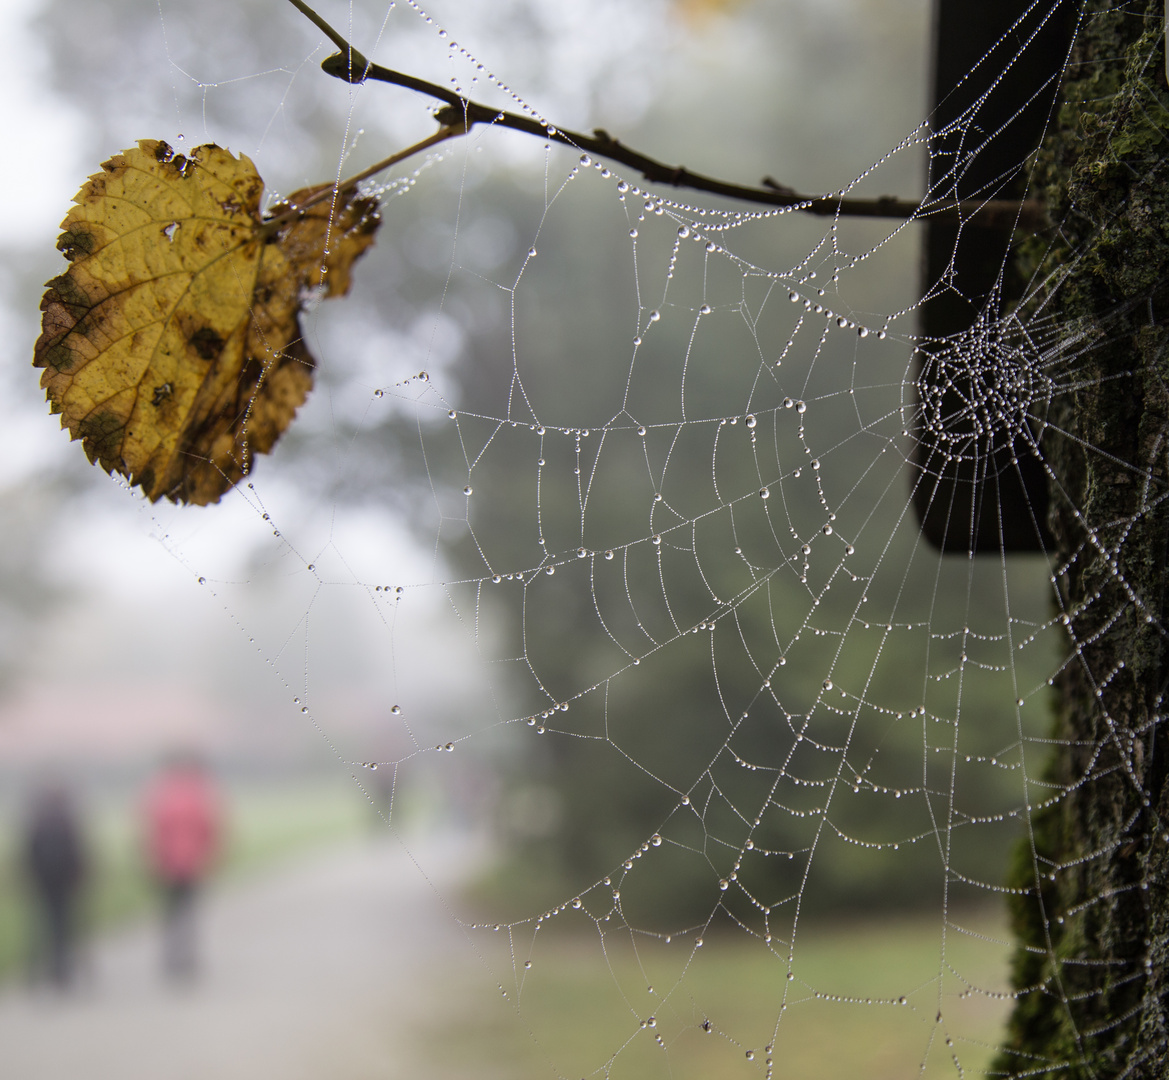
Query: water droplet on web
{"type": "Point", "coordinates": [202, 581]}
{"type": "Point", "coordinates": [550, 571]}
{"type": "Point", "coordinates": [581, 553]}
{"type": "Point", "coordinates": [576, 903]}
{"type": "Point", "coordinates": [801, 407]}
{"type": "Point", "coordinates": [654, 316]}
{"type": "Point", "coordinates": [794, 297]}
{"type": "Point", "coordinates": [842, 322]}
{"type": "Point", "coordinates": [452, 414]}
{"type": "Point", "coordinates": [656, 840]}
{"type": "Point", "coordinates": [724, 884]}
{"type": "Point", "coordinates": [585, 160]}
{"type": "Point", "coordinates": [633, 233]}
{"type": "Point", "coordinates": [622, 186]}
{"type": "Point", "coordinates": [764, 493]}
{"type": "Point", "coordinates": [788, 403]}
{"type": "Point", "coordinates": [637, 340]}
{"type": "Point", "coordinates": [641, 430]}
{"type": "Point", "coordinates": [657, 539]}
{"type": "Point", "coordinates": [396, 710]}
{"type": "Point", "coordinates": [711, 246]}
{"type": "Point", "coordinates": [684, 231]}
{"type": "Point", "coordinates": [608, 554]}
{"type": "Point", "coordinates": [750, 420]}
{"type": "Point", "coordinates": [704, 310]}
{"type": "Point", "coordinates": [827, 530]}
{"type": "Point", "coordinates": [863, 331]}
{"type": "Point", "coordinates": [827, 684]}
{"type": "Point", "coordinates": [531, 253]}
{"type": "Point", "coordinates": [468, 490]}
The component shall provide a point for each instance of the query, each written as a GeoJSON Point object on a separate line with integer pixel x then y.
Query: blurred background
{"type": "Point", "coordinates": [355, 607]}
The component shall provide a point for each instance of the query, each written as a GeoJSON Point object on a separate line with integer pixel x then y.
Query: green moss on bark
{"type": "Point", "coordinates": [1090, 906]}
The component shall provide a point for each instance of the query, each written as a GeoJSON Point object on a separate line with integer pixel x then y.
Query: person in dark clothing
{"type": "Point", "coordinates": [55, 865]}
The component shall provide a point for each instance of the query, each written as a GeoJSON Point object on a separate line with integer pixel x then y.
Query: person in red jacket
{"type": "Point", "coordinates": [183, 823]}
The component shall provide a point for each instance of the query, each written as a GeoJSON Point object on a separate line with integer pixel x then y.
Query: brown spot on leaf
{"type": "Point", "coordinates": [207, 343]}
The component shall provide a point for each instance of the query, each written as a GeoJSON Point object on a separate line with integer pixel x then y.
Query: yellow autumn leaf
{"type": "Point", "coordinates": [171, 346]}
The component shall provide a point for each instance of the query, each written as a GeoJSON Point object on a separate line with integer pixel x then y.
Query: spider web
{"type": "Point", "coordinates": [667, 631]}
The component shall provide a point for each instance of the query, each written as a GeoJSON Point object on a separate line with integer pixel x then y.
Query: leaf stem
{"type": "Point", "coordinates": [328, 191]}
{"type": "Point", "coordinates": [460, 114]}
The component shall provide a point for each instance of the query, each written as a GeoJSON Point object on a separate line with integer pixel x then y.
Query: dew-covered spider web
{"type": "Point", "coordinates": [746, 754]}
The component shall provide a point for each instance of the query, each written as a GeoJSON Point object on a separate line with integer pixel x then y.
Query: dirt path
{"type": "Point", "coordinates": [316, 973]}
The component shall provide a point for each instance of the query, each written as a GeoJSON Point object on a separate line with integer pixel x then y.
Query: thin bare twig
{"type": "Point", "coordinates": [459, 114]}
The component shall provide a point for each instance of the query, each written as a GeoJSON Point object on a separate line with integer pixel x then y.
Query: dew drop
{"type": "Point", "coordinates": [656, 840]}
{"type": "Point", "coordinates": [788, 403]}
{"type": "Point", "coordinates": [704, 310]}
{"type": "Point", "coordinates": [531, 253]}
{"type": "Point", "coordinates": [581, 553]}
{"type": "Point", "coordinates": [585, 160]}
{"type": "Point", "coordinates": [654, 316]}
{"type": "Point", "coordinates": [801, 407]}
{"type": "Point", "coordinates": [452, 414]}
{"type": "Point", "coordinates": [608, 554]}
{"type": "Point", "coordinates": [550, 571]}
{"type": "Point", "coordinates": [622, 186]}
{"type": "Point", "coordinates": [641, 430]}
{"type": "Point", "coordinates": [467, 490]}
{"type": "Point", "coordinates": [764, 493]}
{"type": "Point", "coordinates": [750, 420]}
{"type": "Point", "coordinates": [657, 539]}
{"type": "Point", "coordinates": [684, 231]}
{"type": "Point", "coordinates": [633, 233]}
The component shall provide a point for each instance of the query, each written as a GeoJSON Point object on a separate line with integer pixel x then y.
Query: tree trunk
{"type": "Point", "coordinates": [1091, 970]}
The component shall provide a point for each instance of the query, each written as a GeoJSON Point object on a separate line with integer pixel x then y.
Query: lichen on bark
{"type": "Point", "coordinates": [1091, 970]}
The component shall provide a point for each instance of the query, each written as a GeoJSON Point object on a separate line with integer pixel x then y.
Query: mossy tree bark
{"type": "Point", "coordinates": [1092, 965]}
